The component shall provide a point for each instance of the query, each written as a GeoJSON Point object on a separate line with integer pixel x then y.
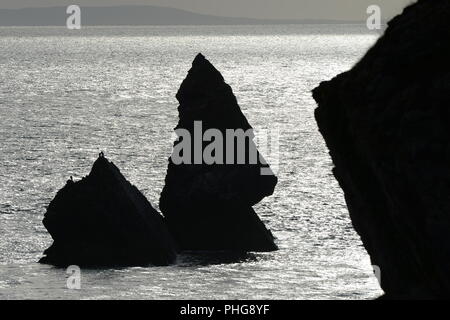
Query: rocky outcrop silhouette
{"type": "Point", "coordinates": [387, 125]}
{"type": "Point", "coordinates": [209, 206]}
{"type": "Point", "coordinates": [103, 221]}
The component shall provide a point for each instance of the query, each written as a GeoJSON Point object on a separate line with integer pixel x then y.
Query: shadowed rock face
{"type": "Point", "coordinates": [387, 125]}
{"type": "Point", "coordinates": [103, 220]}
{"type": "Point", "coordinates": [209, 207]}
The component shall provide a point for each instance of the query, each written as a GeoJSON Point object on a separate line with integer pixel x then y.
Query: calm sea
{"type": "Point", "coordinates": [65, 95]}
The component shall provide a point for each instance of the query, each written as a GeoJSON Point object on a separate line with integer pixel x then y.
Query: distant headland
{"type": "Point", "coordinates": [135, 16]}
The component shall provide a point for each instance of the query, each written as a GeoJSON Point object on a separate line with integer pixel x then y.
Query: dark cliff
{"type": "Point", "coordinates": [209, 206]}
{"type": "Point", "coordinates": [104, 221]}
{"type": "Point", "coordinates": [387, 125]}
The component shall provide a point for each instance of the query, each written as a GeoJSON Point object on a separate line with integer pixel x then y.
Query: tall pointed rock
{"type": "Point", "coordinates": [103, 220]}
{"type": "Point", "coordinates": [208, 206]}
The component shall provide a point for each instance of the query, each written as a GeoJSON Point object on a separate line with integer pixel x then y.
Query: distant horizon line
{"type": "Point", "coordinates": [6, 19]}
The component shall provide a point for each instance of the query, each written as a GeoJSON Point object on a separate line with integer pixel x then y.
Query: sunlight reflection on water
{"type": "Point", "coordinates": [63, 98]}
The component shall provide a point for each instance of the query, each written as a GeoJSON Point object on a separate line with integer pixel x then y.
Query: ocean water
{"type": "Point", "coordinates": [66, 95]}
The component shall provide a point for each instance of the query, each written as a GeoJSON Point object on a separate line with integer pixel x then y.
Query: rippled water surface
{"type": "Point", "coordinates": [66, 95]}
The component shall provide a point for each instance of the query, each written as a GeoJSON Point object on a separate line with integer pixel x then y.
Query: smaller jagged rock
{"type": "Point", "coordinates": [103, 220]}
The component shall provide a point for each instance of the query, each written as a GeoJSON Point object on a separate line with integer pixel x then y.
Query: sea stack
{"type": "Point", "coordinates": [208, 206]}
{"type": "Point", "coordinates": [104, 221]}
{"type": "Point", "coordinates": [387, 125]}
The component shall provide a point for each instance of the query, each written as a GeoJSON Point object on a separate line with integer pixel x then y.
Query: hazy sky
{"type": "Point", "coordinates": [276, 9]}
